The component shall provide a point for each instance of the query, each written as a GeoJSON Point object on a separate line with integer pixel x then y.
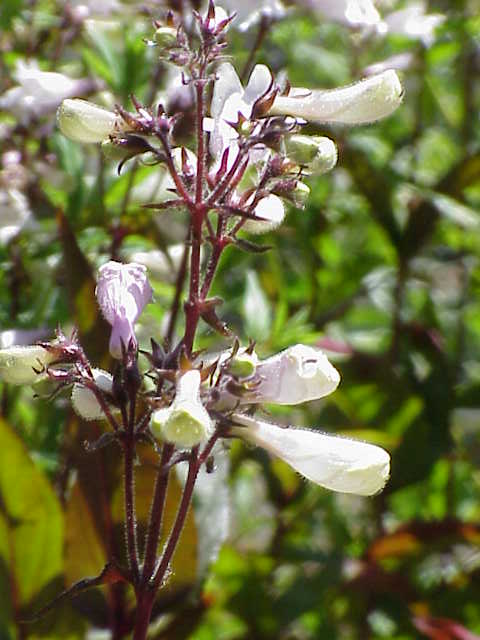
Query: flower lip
{"type": "Point", "coordinates": [334, 462]}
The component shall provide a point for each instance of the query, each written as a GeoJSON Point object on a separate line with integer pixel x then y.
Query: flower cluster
{"type": "Point", "coordinates": [251, 157]}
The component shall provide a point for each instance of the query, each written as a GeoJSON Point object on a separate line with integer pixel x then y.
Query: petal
{"type": "Point", "coordinates": [122, 333]}
{"type": "Point", "coordinates": [336, 463]}
{"type": "Point", "coordinates": [259, 83]}
{"type": "Point", "coordinates": [226, 84]}
{"type": "Point", "coordinates": [272, 212]}
{"type": "Point", "coordinates": [365, 101]}
{"type": "Point", "coordinates": [84, 401]}
{"type": "Point", "coordinates": [298, 374]}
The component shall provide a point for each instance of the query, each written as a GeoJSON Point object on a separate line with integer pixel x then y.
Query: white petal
{"type": "Point", "coordinates": [84, 401]}
{"type": "Point", "coordinates": [365, 101]}
{"type": "Point", "coordinates": [259, 83]}
{"type": "Point", "coordinates": [226, 84]}
{"type": "Point", "coordinates": [336, 463]}
{"type": "Point", "coordinates": [297, 374]}
{"type": "Point", "coordinates": [272, 210]}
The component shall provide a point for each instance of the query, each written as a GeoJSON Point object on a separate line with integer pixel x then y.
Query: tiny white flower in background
{"type": "Point", "coordinates": [21, 337]}
{"type": "Point", "coordinates": [352, 13]}
{"type": "Point", "coordinates": [86, 122]}
{"type": "Point", "coordinates": [412, 22]}
{"type": "Point", "coordinates": [365, 101]}
{"type": "Point", "coordinates": [15, 212]}
{"type": "Point", "coordinates": [84, 401]}
{"type": "Point", "coordinates": [186, 422]}
{"type": "Point", "coordinates": [37, 91]}
{"type": "Point", "coordinates": [248, 13]}
{"type": "Point", "coordinates": [297, 374]}
{"type": "Point", "coordinates": [334, 462]}
{"type": "Point", "coordinates": [122, 292]}
{"type": "Point", "coordinates": [18, 363]}
{"type": "Point", "coordinates": [162, 265]}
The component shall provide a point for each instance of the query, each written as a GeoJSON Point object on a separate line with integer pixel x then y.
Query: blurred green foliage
{"type": "Point", "coordinates": [382, 270]}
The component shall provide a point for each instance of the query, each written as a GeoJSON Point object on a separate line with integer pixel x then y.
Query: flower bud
{"type": "Point", "coordinates": [317, 154]}
{"type": "Point", "coordinates": [84, 401]}
{"type": "Point", "coordinates": [300, 194]}
{"type": "Point", "coordinates": [298, 374]}
{"type": "Point", "coordinates": [243, 364]}
{"type": "Point", "coordinates": [18, 364]}
{"type": "Point", "coordinates": [333, 462]}
{"type": "Point", "coordinates": [186, 422]}
{"type": "Point", "coordinates": [165, 37]}
{"type": "Point", "coordinates": [365, 101]}
{"type": "Point", "coordinates": [272, 212]}
{"type": "Point", "coordinates": [86, 122]}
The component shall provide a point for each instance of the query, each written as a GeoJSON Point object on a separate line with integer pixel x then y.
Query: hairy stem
{"type": "Point", "coordinates": [156, 513]}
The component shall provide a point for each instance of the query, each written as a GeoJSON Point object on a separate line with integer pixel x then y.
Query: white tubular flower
{"type": "Point", "coordinates": [37, 91]}
{"type": "Point", "coordinates": [365, 101]}
{"type": "Point", "coordinates": [298, 374]}
{"type": "Point", "coordinates": [333, 462]}
{"type": "Point", "coordinates": [272, 212]}
{"type": "Point", "coordinates": [186, 422]}
{"type": "Point", "coordinates": [84, 401]}
{"type": "Point", "coordinates": [122, 292]}
{"type": "Point", "coordinates": [17, 364]}
{"type": "Point", "coordinates": [86, 122]}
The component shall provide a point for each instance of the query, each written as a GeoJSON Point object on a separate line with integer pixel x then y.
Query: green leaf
{"type": "Point", "coordinates": [31, 525]}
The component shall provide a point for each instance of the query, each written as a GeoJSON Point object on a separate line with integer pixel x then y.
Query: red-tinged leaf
{"type": "Point", "coordinates": [442, 629]}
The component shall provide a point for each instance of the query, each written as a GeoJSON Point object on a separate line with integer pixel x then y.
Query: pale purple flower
{"type": "Point", "coordinates": [122, 292]}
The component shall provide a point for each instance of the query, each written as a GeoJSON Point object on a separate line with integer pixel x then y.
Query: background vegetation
{"type": "Point", "coordinates": [381, 269]}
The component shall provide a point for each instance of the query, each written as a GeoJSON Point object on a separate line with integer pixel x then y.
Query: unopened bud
{"type": "Point", "coordinates": [18, 364]}
{"type": "Point", "coordinates": [271, 211]}
{"type": "Point", "coordinates": [165, 37]}
{"type": "Point", "coordinates": [300, 195]}
{"type": "Point", "coordinates": [243, 364]}
{"type": "Point", "coordinates": [317, 154]}
{"type": "Point", "coordinates": [186, 422]}
{"type": "Point", "coordinates": [84, 401]}
{"type": "Point", "coordinates": [86, 122]}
